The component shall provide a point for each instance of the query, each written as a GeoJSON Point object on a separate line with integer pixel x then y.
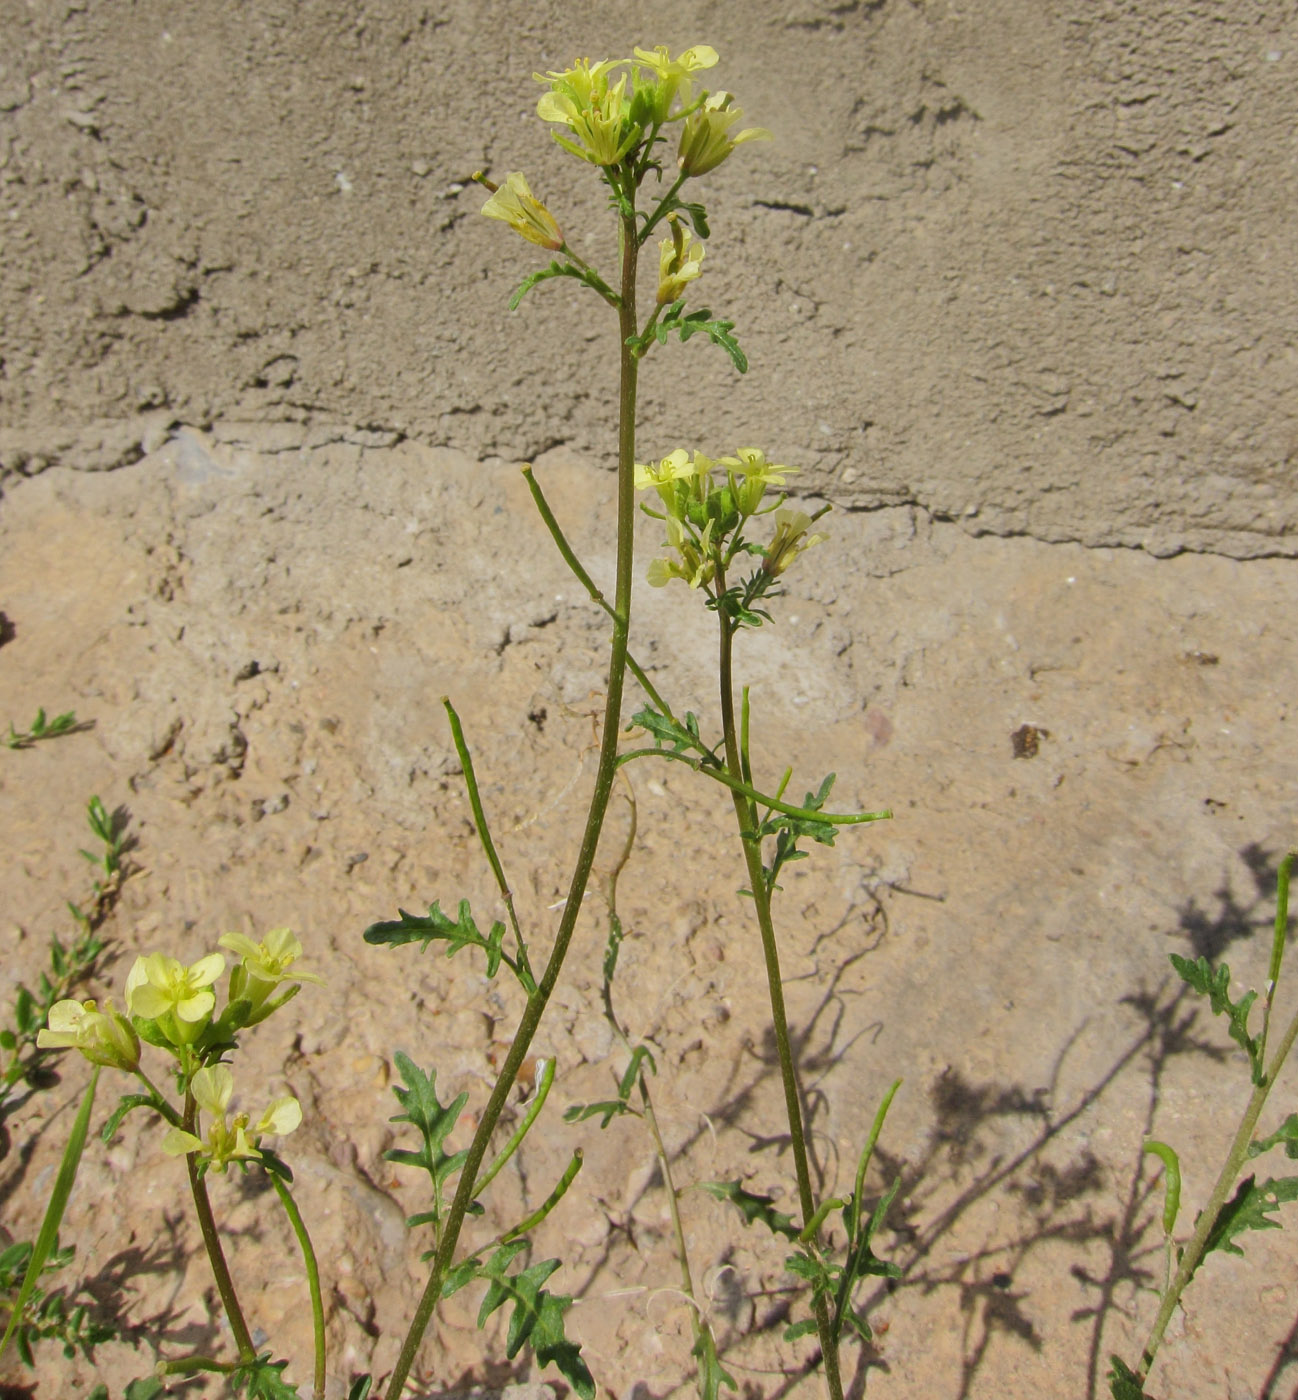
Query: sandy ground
{"type": "Point", "coordinates": [260, 639]}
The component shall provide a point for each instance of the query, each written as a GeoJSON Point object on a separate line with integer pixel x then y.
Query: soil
{"type": "Point", "coordinates": [1034, 304]}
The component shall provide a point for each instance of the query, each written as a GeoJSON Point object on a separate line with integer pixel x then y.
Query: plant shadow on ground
{"type": "Point", "coordinates": [1075, 1203]}
{"type": "Point", "coordinates": [1061, 1202]}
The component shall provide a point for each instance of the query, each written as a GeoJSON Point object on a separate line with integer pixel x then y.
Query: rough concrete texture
{"type": "Point", "coordinates": [1032, 267]}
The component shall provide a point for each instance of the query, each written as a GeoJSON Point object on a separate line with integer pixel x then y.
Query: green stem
{"type": "Point", "coordinates": [652, 222]}
{"type": "Point", "coordinates": [212, 1242]}
{"type": "Point", "coordinates": [524, 968]}
{"type": "Point", "coordinates": [588, 583]}
{"type": "Point", "coordinates": [164, 1109]}
{"type": "Point", "coordinates": [605, 774]}
{"type": "Point", "coordinates": [195, 1365]}
{"type": "Point", "coordinates": [746, 816]}
{"type": "Point", "coordinates": [742, 789]}
{"type": "Point", "coordinates": [1193, 1253]}
{"type": "Point", "coordinates": [544, 1079]}
{"type": "Point", "coordinates": [312, 1279]}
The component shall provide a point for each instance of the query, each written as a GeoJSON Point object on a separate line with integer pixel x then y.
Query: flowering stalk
{"type": "Point", "coordinates": [604, 776]}
{"type": "Point", "coordinates": [746, 816]}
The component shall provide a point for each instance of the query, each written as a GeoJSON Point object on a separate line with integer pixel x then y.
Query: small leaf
{"type": "Point", "coordinates": [712, 1374]}
{"type": "Point", "coordinates": [124, 1106]}
{"type": "Point", "coordinates": [800, 1329]}
{"type": "Point", "coordinates": [1250, 1208]}
{"type": "Point", "coordinates": [558, 269]}
{"type": "Point", "coordinates": [461, 1274]}
{"type": "Point", "coordinates": [146, 1388]}
{"type": "Point", "coordinates": [537, 1317]}
{"type": "Point", "coordinates": [421, 1106]}
{"type": "Point", "coordinates": [701, 323]}
{"type": "Point", "coordinates": [754, 1208]}
{"type": "Point", "coordinates": [461, 932]}
{"type": "Point", "coordinates": [667, 731]}
{"type": "Point", "coordinates": [1286, 1133]}
{"type": "Point", "coordinates": [1124, 1383]}
{"type": "Point", "coordinates": [263, 1380]}
{"type": "Point", "coordinates": [1214, 983]}
{"type": "Point", "coordinates": [609, 1108]}
{"type": "Point", "coordinates": [360, 1388]}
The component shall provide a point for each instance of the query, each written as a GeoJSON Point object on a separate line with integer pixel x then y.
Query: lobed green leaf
{"type": "Point", "coordinates": [1214, 983]}
{"type": "Point", "coordinates": [1250, 1208]}
{"type": "Point", "coordinates": [1286, 1133]}
{"type": "Point", "coordinates": [458, 933]}
{"type": "Point", "coordinates": [754, 1208]}
{"type": "Point", "coordinates": [537, 1316]}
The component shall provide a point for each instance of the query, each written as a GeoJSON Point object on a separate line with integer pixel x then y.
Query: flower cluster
{"type": "Point", "coordinates": [707, 504]}
{"type": "Point", "coordinates": [227, 1139]}
{"type": "Point", "coordinates": [612, 112]}
{"type": "Point", "coordinates": [174, 1007]}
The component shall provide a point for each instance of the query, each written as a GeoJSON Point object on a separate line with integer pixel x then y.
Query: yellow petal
{"type": "Point", "coordinates": [178, 1143]}
{"type": "Point", "coordinates": [212, 1087]}
{"type": "Point", "coordinates": [281, 1117]}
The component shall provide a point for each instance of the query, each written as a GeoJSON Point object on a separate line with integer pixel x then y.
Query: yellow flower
{"type": "Point", "coordinates": [654, 98]}
{"type": "Point", "coordinates": [263, 967]}
{"type": "Point", "coordinates": [667, 68]}
{"type": "Point", "coordinates": [750, 474]}
{"type": "Point", "coordinates": [228, 1140]}
{"type": "Point", "coordinates": [604, 125]}
{"type": "Point", "coordinates": [104, 1037]}
{"type": "Point", "coordinates": [517, 206]}
{"type": "Point", "coordinates": [705, 138]}
{"type": "Point", "coordinates": [680, 260]}
{"type": "Point", "coordinates": [159, 988]}
{"type": "Point", "coordinates": [677, 466]}
{"type": "Point", "coordinates": [577, 87]}
{"type": "Point", "coordinates": [791, 539]}
{"type": "Point", "coordinates": [599, 114]}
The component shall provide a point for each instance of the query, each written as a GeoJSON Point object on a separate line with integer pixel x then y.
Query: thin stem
{"type": "Point", "coordinates": [212, 1242]}
{"type": "Point", "coordinates": [1278, 940]}
{"type": "Point", "coordinates": [488, 845]}
{"type": "Point", "coordinates": [159, 1102]}
{"type": "Point", "coordinates": [1193, 1253]}
{"type": "Point", "coordinates": [605, 774]}
{"type": "Point", "coordinates": [544, 1079]}
{"type": "Point", "coordinates": [697, 1323]}
{"type": "Point", "coordinates": [653, 220]}
{"type": "Point", "coordinates": [575, 564]}
{"type": "Point", "coordinates": [312, 1280]}
{"type": "Point", "coordinates": [746, 816]}
{"type": "Point", "coordinates": [740, 788]}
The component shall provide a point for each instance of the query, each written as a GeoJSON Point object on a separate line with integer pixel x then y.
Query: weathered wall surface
{"type": "Point", "coordinates": [1032, 266]}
